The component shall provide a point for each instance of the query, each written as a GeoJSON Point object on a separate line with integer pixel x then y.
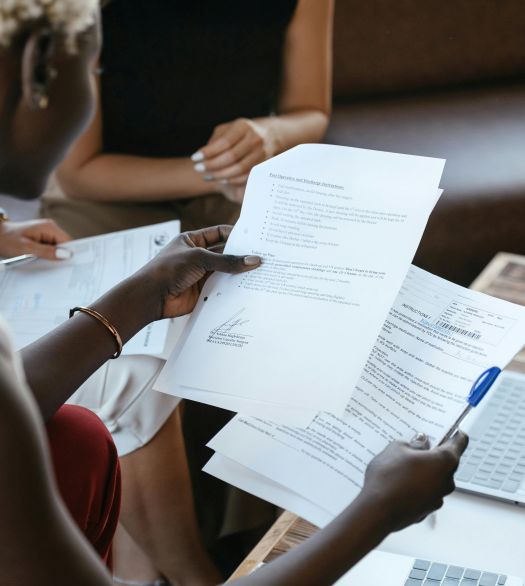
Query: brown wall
{"type": "Point", "coordinates": [384, 46]}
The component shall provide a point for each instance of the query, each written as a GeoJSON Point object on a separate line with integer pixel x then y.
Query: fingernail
{"type": "Point", "coordinates": [199, 167]}
{"type": "Point", "coordinates": [252, 261]}
{"type": "Point", "coordinates": [208, 177]}
{"type": "Point", "coordinates": [198, 156]}
{"type": "Point", "coordinates": [420, 437]}
{"type": "Point", "coordinates": [63, 253]}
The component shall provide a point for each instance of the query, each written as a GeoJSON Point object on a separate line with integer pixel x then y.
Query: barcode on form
{"type": "Point", "coordinates": [456, 330]}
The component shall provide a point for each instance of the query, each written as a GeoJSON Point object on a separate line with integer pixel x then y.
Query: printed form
{"type": "Point", "coordinates": [437, 339]}
{"type": "Point", "coordinates": [337, 228]}
{"type": "Point", "coordinates": [36, 297]}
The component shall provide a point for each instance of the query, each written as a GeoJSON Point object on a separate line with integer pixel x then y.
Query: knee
{"type": "Point", "coordinates": [86, 467]}
{"type": "Point", "coordinates": [78, 437]}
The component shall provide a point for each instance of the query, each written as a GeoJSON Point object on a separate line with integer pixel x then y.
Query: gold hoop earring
{"type": "Point", "coordinates": [43, 102]}
{"type": "Point", "coordinates": [41, 90]}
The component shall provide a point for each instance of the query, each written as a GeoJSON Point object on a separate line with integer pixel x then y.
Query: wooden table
{"type": "Point", "coordinates": [504, 277]}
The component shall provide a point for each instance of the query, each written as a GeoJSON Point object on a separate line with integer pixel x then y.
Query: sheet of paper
{"type": "Point", "coordinates": [290, 414]}
{"type": "Point", "coordinates": [232, 472]}
{"type": "Point", "coordinates": [337, 228]}
{"type": "Point", "coordinates": [175, 330]}
{"type": "Point", "coordinates": [281, 413]}
{"type": "Point", "coordinates": [437, 339]}
{"type": "Point", "coordinates": [36, 297]}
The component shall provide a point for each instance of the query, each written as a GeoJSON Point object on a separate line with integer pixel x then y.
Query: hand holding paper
{"type": "Point", "coordinates": [436, 340]}
{"type": "Point", "coordinates": [319, 327]}
{"type": "Point", "coordinates": [184, 266]}
{"type": "Point", "coordinates": [398, 477]}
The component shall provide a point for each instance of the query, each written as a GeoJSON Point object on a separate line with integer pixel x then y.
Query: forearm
{"type": "Point", "coordinates": [58, 363]}
{"type": "Point", "coordinates": [107, 177]}
{"type": "Point", "coordinates": [60, 555]}
{"type": "Point", "coordinates": [290, 129]}
{"type": "Point", "coordinates": [326, 556]}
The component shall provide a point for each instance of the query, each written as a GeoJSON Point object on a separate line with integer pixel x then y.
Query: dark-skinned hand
{"type": "Point", "coordinates": [410, 480]}
{"type": "Point", "coordinates": [181, 269]}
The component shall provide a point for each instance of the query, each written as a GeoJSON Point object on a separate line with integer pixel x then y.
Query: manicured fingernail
{"type": "Point", "coordinates": [208, 177]}
{"type": "Point", "coordinates": [63, 253]}
{"type": "Point", "coordinates": [420, 437]}
{"type": "Point", "coordinates": [252, 261]}
{"type": "Point", "coordinates": [199, 167]}
{"type": "Point", "coordinates": [198, 156]}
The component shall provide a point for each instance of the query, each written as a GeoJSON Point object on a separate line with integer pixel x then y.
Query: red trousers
{"type": "Point", "coordinates": [88, 474]}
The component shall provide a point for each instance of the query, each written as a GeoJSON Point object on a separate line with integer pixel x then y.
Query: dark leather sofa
{"type": "Point", "coordinates": [443, 78]}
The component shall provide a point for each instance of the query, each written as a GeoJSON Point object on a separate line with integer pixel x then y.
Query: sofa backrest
{"type": "Point", "coordinates": [392, 46]}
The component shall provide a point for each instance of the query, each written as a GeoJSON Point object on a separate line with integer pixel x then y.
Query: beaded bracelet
{"type": "Point", "coordinates": [99, 317]}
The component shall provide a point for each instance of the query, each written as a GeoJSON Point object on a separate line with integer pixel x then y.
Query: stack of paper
{"type": "Point", "coordinates": [337, 228]}
{"type": "Point", "coordinates": [336, 345]}
{"type": "Point", "coordinates": [437, 339]}
{"type": "Point", "coordinates": [37, 297]}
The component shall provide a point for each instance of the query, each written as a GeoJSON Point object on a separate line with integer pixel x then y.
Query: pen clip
{"type": "Point", "coordinates": [482, 385]}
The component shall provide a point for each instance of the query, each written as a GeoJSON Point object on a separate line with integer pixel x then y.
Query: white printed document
{"type": "Point", "coordinates": [437, 339]}
{"type": "Point", "coordinates": [337, 228]}
{"type": "Point", "coordinates": [36, 297]}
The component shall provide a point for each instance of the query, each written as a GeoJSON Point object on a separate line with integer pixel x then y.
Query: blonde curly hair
{"type": "Point", "coordinates": [69, 17]}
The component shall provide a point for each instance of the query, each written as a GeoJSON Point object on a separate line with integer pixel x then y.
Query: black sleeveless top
{"type": "Point", "coordinates": [174, 69]}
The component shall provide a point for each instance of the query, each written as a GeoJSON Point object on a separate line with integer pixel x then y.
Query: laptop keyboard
{"type": "Point", "coordinates": [425, 573]}
{"type": "Point", "coordinates": [495, 457]}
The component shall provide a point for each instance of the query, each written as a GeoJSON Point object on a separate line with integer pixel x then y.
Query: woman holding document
{"type": "Point", "coordinates": [47, 76]}
{"type": "Point", "coordinates": [60, 480]}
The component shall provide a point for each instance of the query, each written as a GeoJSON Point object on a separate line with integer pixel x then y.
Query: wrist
{"type": "Point", "coordinates": [360, 528]}
{"type": "Point", "coordinates": [131, 305]}
{"type": "Point", "coordinates": [378, 510]}
{"type": "Point", "coordinates": [273, 140]}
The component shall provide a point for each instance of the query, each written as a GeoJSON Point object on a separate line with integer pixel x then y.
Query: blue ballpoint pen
{"type": "Point", "coordinates": [479, 389]}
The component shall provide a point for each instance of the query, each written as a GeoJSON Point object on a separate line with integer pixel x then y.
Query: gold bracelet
{"type": "Point", "coordinates": [99, 317]}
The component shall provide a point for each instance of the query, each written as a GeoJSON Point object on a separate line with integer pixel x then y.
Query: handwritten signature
{"type": "Point", "coordinates": [227, 326]}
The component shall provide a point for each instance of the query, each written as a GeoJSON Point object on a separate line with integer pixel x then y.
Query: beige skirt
{"type": "Point", "coordinates": [88, 218]}
{"type": "Point", "coordinates": [121, 394]}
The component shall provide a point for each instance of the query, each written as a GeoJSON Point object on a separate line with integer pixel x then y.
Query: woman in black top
{"type": "Point", "coordinates": [231, 83]}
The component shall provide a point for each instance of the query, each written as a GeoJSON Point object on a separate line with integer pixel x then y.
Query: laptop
{"type": "Point", "coordinates": [494, 462]}
{"type": "Point", "coordinates": [387, 569]}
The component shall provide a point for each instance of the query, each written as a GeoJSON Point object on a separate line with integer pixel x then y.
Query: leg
{"type": "Point", "coordinates": [231, 521]}
{"type": "Point", "coordinates": [131, 565]}
{"type": "Point", "coordinates": [90, 218]}
{"type": "Point", "coordinates": [157, 508]}
{"type": "Point", "coordinates": [87, 473]}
